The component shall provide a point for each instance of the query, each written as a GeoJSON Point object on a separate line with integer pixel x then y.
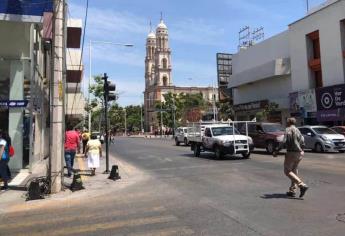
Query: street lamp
{"type": "Point", "coordinates": [90, 69]}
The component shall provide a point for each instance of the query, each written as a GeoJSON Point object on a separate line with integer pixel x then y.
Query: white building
{"type": "Point", "coordinates": [294, 67]}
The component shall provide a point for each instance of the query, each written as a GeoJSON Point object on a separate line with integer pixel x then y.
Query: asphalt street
{"type": "Point", "coordinates": [164, 190]}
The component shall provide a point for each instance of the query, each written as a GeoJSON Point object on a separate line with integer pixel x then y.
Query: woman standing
{"type": "Point", "coordinates": [93, 152]}
{"type": "Point", "coordinates": [4, 157]}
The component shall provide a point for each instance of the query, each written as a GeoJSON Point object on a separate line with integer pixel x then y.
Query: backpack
{"type": "Point", "coordinates": [11, 151]}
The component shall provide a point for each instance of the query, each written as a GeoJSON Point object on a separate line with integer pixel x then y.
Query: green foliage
{"type": "Point", "coordinates": [178, 105]}
{"type": "Point", "coordinates": [225, 111]}
{"type": "Point", "coordinates": [270, 108]}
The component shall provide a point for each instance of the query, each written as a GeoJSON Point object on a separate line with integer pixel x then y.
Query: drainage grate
{"type": "Point", "coordinates": [341, 217]}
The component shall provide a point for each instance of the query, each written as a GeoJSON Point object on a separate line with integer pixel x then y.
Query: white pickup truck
{"type": "Point", "coordinates": [220, 138]}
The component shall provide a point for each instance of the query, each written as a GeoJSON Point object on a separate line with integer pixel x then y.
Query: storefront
{"type": "Point", "coordinates": [331, 105]}
{"type": "Point", "coordinates": [248, 111]}
{"type": "Point", "coordinates": [303, 107]}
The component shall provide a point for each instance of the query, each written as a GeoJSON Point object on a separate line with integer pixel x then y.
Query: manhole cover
{"type": "Point", "coordinates": [341, 217]}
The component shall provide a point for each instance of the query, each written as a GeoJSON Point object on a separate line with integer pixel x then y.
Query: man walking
{"type": "Point", "coordinates": [72, 145]}
{"type": "Point", "coordinates": [294, 143]}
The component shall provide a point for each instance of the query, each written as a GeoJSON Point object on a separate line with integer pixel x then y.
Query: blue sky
{"type": "Point", "coordinates": [198, 29]}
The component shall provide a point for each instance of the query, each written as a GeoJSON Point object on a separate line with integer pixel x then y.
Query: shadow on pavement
{"type": "Point", "coordinates": [278, 196]}
{"type": "Point", "coordinates": [212, 158]}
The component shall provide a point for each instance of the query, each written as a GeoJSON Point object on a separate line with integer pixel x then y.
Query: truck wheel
{"type": "Point", "coordinates": [196, 150]}
{"type": "Point", "coordinates": [246, 155]}
{"type": "Point", "coordinates": [186, 142]}
{"type": "Point", "coordinates": [217, 153]}
{"type": "Point", "coordinates": [270, 147]}
{"type": "Point", "coordinates": [177, 142]}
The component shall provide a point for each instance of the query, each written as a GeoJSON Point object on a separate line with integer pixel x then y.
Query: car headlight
{"type": "Point", "coordinates": [327, 140]}
{"type": "Point", "coordinates": [250, 140]}
{"type": "Point", "coordinates": [226, 143]}
{"type": "Point", "coordinates": [280, 138]}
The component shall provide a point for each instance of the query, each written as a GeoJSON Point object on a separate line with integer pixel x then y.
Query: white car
{"type": "Point", "coordinates": [181, 136]}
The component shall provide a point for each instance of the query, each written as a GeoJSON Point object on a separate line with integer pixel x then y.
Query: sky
{"type": "Point", "coordinates": [198, 29]}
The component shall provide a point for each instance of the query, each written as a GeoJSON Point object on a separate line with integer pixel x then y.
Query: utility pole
{"type": "Point", "coordinates": [108, 96]}
{"type": "Point", "coordinates": [161, 120]}
{"type": "Point", "coordinates": [57, 98]}
{"type": "Point", "coordinates": [174, 116]}
{"type": "Point", "coordinates": [125, 123]}
{"type": "Point", "coordinates": [141, 118]}
{"type": "Point", "coordinates": [307, 6]}
{"type": "Point", "coordinates": [89, 97]}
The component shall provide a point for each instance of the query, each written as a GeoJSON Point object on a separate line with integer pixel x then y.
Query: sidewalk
{"type": "Point", "coordinates": [15, 200]}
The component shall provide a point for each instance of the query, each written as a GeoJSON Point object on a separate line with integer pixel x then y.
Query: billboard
{"type": "Point", "coordinates": [224, 71]}
{"type": "Point", "coordinates": [331, 103]}
{"type": "Point", "coordinates": [24, 10]}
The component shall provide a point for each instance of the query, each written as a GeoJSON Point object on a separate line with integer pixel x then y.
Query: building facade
{"type": "Point", "coordinates": [293, 68]}
{"type": "Point", "coordinates": [158, 76]}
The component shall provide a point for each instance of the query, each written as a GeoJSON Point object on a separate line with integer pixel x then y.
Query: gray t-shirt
{"type": "Point", "coordinates": [293, 139]}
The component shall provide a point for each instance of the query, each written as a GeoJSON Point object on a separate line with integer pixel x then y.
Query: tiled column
{"type": "Point", "coordinates": [15, 126]}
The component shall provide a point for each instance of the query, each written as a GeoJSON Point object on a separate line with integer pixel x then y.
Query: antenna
{"type": "Point", "coordinates": [161, 16]}
{"type": "Point", "coordinates": [307, 1]}
{"type": "Point", "coordinates": [258, 35]}
{"type": "Point", "coordinates": [150, 26]}
{"type": "Point", "coordinates": [244, 37]}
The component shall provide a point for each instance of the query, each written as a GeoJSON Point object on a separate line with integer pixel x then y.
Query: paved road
{"type": "Point", "coordinates": [166, 191]}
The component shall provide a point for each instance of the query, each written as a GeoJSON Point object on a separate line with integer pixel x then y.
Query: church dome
{"type": "Point", "coordinates": [161, 25]}
{"type": "Point", "coordinates": [151, 35]}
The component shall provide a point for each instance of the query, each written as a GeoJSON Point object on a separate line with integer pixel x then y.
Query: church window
{"type": "Point", "coordinates": [165, 81]}
{"type": "Point", "coordinates": [165, 63]}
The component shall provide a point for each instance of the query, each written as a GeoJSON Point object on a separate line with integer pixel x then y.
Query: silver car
{"type": "Point", "coordinates": [322, 139]}
{"type": "Point", "coordinates": [181, 136]}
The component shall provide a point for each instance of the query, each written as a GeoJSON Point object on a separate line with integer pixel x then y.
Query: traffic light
{"type": "Point", "coordinates": [109, 90]}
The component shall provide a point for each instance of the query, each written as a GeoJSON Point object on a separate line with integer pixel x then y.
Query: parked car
{"type": "Point", "coordinates": [181, 136]}
{"type": "Point", "coordinates": [265, 135]}
{"type": "Point", "coordinates": [339, 129]}
{"type": "Point", "coordinates": [321, 139]}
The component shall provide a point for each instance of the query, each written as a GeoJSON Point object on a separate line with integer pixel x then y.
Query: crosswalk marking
{"type": "Point", "coordinates": [166, 232]}
{"type": "Point", "coordinates": [49, 220]}
{"type": "Point", "coordinates": [108, 226]}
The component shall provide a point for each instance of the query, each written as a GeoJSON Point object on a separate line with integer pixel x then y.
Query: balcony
{"type": "Point", "coordinates": [73, 88]}
{"type": "Point", "coordinates": [74, 68]}
{"type": "Point", "coordinates": [74, 31]}
{"type": "Point", "coordinates": [315, 64]}
{"type": "Point", "coordinates": [276, 68]}
{"type": "Point", "coordinates": [75, 104]}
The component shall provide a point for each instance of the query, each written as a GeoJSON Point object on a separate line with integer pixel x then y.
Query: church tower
{"type": "Point", "coordinates": [162, 57]}
{"type": "Point", "coordinates": [150, 59]}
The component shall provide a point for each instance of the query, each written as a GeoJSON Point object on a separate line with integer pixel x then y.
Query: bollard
{"type": "Point", "coordinates": [114, 174]}
{"type": "Point", "coordinates": [77, 183]}
{"type": "Point", "coordinates": [34, 191]}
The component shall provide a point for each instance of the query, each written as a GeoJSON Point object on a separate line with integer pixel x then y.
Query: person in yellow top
{"type": "Point", "coordinates": [85, 138]}
{"type": "Point", "coordinates": [93, 152]}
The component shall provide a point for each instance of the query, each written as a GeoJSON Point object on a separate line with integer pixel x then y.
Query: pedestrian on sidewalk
{"type": "Point", "coordinates": [294, 142]}
{"type": "Point", "coordinates": [85, 137]}
{"type": "Point", "coordinates": [72, 144]}
{"type": "Point", "coordinates": [8, 140]}
{"type": "Point", "coordinates": [4, 158]}
{"type": "Point", "coordinates": [93, 152]}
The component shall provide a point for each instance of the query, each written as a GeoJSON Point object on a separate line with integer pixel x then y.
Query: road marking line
{"type": "Point", "coordinates": [166, 232]}
{"type": "Point", "coordinates": [61, 219]}
{"type": "Point", "coordinates": [108, 226]}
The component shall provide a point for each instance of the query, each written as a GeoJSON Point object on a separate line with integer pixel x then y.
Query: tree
{"type": "Point", "coordinates": [225, 111]}
{"type": "Point", "coordinates": [269, 109]}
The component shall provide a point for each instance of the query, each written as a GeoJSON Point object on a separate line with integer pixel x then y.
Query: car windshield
{"type": "Point", "coordinates": [324, 130]}
{"type": "Point", "coordinates": [217, 131]}
{"type": "Point", "coordinates": [185, 130]}
{"type": "Point", "coordinates": [269, 128]}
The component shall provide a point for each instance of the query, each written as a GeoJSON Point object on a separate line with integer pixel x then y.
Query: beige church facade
{"type": "Point", "coordinates": [158, 77]}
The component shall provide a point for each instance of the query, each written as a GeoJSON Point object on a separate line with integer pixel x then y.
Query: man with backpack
{"type": "Point", "coordinates": [294, 142]}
